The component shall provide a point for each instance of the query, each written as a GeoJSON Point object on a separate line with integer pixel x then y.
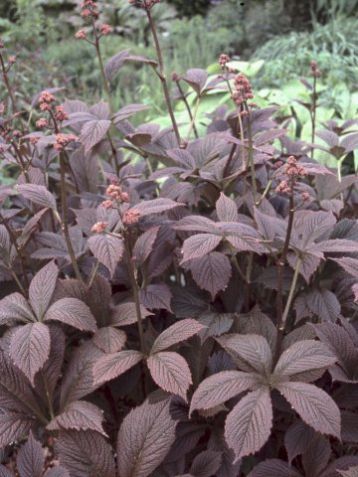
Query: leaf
{"type": "Point", "coordinates": [315, 407]}
{"type": "Point", "coordinates": [128, 111]}
{"type": "Point", "coordinates": [57, 471]}
{"type": "Point", "coordinates": [30, 348]}
{"type": "Point", "coordinates": [73, 312]}
{"type": "Point", "coordinates": [349, 264]}
{"type": "Point", "coordinates": [144, 245]}
{"type": "Point", "coordinates": [109, 339]}
{"type": "Point", "coordinates": [107, 249]}
{"type": "Point", "coordinates": [199, 245]}
{"type": "Point", "coordinates": [253, 349]}
{"type": "Point", "coordinates": [30, 459]}
{"type": "Point", "coordinates": [221, 387]}
{"type": "Point", "coordinates": [42, 287]}
{"type": "Point", "coordinates": [38, 194]}
{"type": "Point", "coordinates": [180, 331]}
{"type": "Point", "coordinates": [111, 366]}
{"type": "Point", "coordinates": [14, 307]}
{"type": "Point", "coordinates": [156, 296]}
{"type": "Point", "coordinates": [215, 324]}
{"type": "Point", "coordinates": [114, 64]}
{"type": "Point", "coordinates": [248, 425]}
{"type": "Point", "coordinates": [125, 314]}
{"type": "Point", "coordinates": [171, 372]}
{"type": "Point", "coordinates": [13, 426]}
{"type": "Point", "coordinates": [274, 468]}
{"type": "Point", "coordinates": [196, 78]}
{"type": "Point", "coordinates": [211, 272]}
{"type": "Point", "coordinates": [4, 472]}
{"type": "Point", "coordinates": [196, 223]}
{"type": "Point", "coordinates": [79, 416]}
{"type": "Point", "coordinates": [226, 209]}
{"type": "Point", "coordinates": [206, 464]}
{"type": "Point", "coordinates": [144, 439]}
{"type": "Point", "coordinates": [85, 454]}
{"type": "Point", "coordinates": [93, 132]}
{"type": "Point", "coordinates": [316, 456]}
{"type": "Point", "coordinates": [155, 206]}
{"type": "Point", "coordinates": [336, 246]}
{"type": "Point", "coordinates": [77, 381]}
{"type": "Point", "coordinates": [303, 356]}
{"type": "Point", "coordinates": [297, 439]}
{"type": "Point", "coordinates": [351, 472]}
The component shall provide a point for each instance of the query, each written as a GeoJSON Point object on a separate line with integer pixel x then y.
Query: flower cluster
{"type": "Point", "coordinates": [81, 35]}
{"type": "Point", "coordinates": [316, 72]}
{"type": "Point", "coordinates": [89, 10]}
{"type": "Point", "coordinates": [243, 90]}
{"type": "Point", "coordinates": [45, 100]}
{"type": "Point", "coordinates": [131, 217]}
{"type": "Point", "coordinates": [115, 194]}
{"type": "Point", "coordinates": [99, 227]}
{"type": "Point", "coordinates": [61, 114]}
{"type": "Point", "coordinates": [63, 140]}
{"type": "Point", "coordinates": [293, 169]}
{"type": "Point", "coordinates": [223, 60]}
{"type": "Point", "coordinates": [42, 123]}
{"type": "Point", "coordinates": [105, 29]}
{"type": "Point", "coordinates": [146, 4]}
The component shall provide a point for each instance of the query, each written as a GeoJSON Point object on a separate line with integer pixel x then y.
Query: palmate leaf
{"type": "Point", "coordinates": [14, 308]}
{"type": "Point", "coordinates": [79, 416]}
{"type": "Point", "coordinates": [30, 348]}
{"type": "Point", "coordinates": [113, 365]}
{"type": "Point", "coordinates": [4, 472]}
{"type": "Point", "coordinates": [38, 194]}
{"type": "Point", "coordinates": [199, 245]}
{"type": "Point", "coordinates": [274, 468]}
{"type": "Point", "coordinates": [171, 372]}
{"type": "Point", "coordinates": [253, 351]}
{"type": "Point", "coordinates": [126, 314]}
{"type": "Point", "coordinates": [85, 454]}
{"type": "Point", "coordinates": [248, 425]}
{"type": "Point", "coordinates": [77, 381]}
{"type": "Point", "coordinates": [176, 333]}
{"type": "Point", "coordinates": [221, 387]}
{"type": "Point", "coordinates": [13, 426]}
{"type": "Point", "coordinates": [93, 132]}
{"type": "Point", "coordinates": [73, 312]}
{"type": "Point", "coordinates": [107, 249]}
{"type": "Point", "coordinates": [206, 464]}
{"type": "Point", "coordinates": [226, 209]}
{"type": "Point", "coordinates": [156, 296]}
{"type": "Point", "coordinates": [42, 288]}
{"type": "Point", "coordinates": [316, 456]}
{"type": "Point", "coordinates": [297, 439]}
{"type": "Point", "coordinates": [144, 245]}
{"type": "Point", "coordinates": [315, 407]}
{"type": "Point", "coordinates": [109, 339]}
{"type": "Point", "coordinates": [303, 356]}
{"type": "Point", "coordinates": [145, 438]}
{"type": "Point", "coordinates": [351, 472]}
{"type": "Point", "coordinates": [57, 471]}
{"type": "Point", "coordinates": [211, 272]}
{"type": "Point", "coordinates": [30, 459]}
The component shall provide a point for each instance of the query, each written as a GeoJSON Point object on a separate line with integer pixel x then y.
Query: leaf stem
{"type": "Point", "coordinates": [190, 114]}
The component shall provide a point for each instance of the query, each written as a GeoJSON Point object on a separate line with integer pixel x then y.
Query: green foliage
{"type": "Point", "coordinates": [333, 46]}
{"type": "Point", "coordinates": [192, 7]}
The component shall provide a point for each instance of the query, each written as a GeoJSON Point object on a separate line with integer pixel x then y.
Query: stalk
{"type": "Point", "coordinates": [162, 76]}
{"type": "Point", "coordinates": [190, 114]}
{"type": "Point", "coordinates": [314, 112]}
{"type": "Point", "coordinates": [64, 220]}
{"type": "Point", "coordinates": [135, 292]}
{"type": "Point", "coordinates": [282, 315]}
{"type": "Point", "coordinates": [7, 84]}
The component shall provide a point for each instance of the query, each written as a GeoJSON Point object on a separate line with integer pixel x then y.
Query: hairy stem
{"type": "Point", "coordinates": [251, 154]}
{"type": "Point", "coordinates": [162, 76]}
{"type": "Point", "coordinates": [192, 123]}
